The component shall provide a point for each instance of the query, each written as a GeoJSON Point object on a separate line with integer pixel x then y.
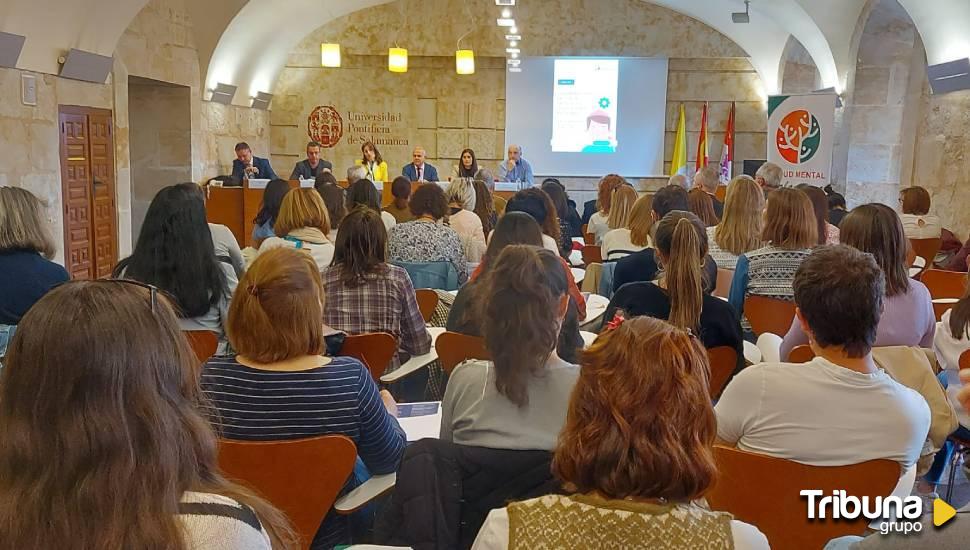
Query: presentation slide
{"type": "Point", "coordinates": [588, 116]}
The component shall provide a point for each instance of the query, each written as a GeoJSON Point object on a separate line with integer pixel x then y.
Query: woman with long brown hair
{"type": "Point", "coordinates": [701, 204]}
{"type": "Point", "coordinates": [739, 230]}
{"type": "Point", "coordinates": [597, 224]}
{"type": "Point", "coordinates": [635, 453]}
{"type": "Point", "coordinates": [374, 165]}
{"type": "Point", "coordinates": [827, 233]}
{"type": "Point", "coordinates": [484, 205]}
{"type": "Point", "coordinates": [518, 399]}
{"type": "Point", "coordinates": [104, 445]}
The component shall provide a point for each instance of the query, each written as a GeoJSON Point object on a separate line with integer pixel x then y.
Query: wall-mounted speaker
{"type": "Point", "coordinates": [950, 76]}
{"type": "Point", "coordinates": [10, 47]}
{"type": "Point", "coordinates": [87, 66]}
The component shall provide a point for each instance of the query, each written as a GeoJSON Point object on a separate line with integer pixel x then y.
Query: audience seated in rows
{"type": "Point", "coordinates": [303, 224]}
{"type": "Point", "coordinates": [621, 242]}
{"type": "Point", "coordinates": [536, 203]}
{"type": "Point", "coordinates": [768, 177]}
{"type": "Point", "coordinates": [566, 217]}
{"type": "Point", "coordinates": [280, 385]}
{"type": "Point", "coordinates": [907, 318]}
{"type": "Point", "coordinates": [227, 248]}
{"type": "Point", "coordinates": [26, 251]}
{"type": "Point", "coordinates": [518, 399]}
{"type": "Point", "coordinates": [678, 295]}
{"type": "Point", "coordinates": [621, 203]}
{"type": "Point", "coordinates": [708, 179]}
{"type": "Point", "coordinates": [643, 265]}
{"type": "Point", "coordinates": [636, 451]}
{"type": "Point", "coordinates": [363, 193]}
{"type": "Point", "coordinates": [596, 221]}
{"type": "Point", "coordinates": [498, 203]}
{"type": "Point", "coordinates": [701, 205]}
{"type": "Point", "coordinates": [366, 294]}
{"type": "Point", "coordinates": [335, 199]}
{"type": "Point", "coordinates": [100, 381]}
{"type": "Point", "coordinates": [918, 223]}
{"type": "Point", "coordinates": [427, 238]}
{"type": "Point", "coordinates": [827, 233]}
{"type": "Point", "coordinates": [951, 340]}
{"type": "Point", "coordinates": [174, 252]}
{"type": "Point", "coordinates": [484, 205]}
{"type": "Point", "coordinates": [269, 209]}
{"type": "Point", "coordinates": [401, 191]}
{"type": "Point", "coordinates": [741, 225]}
{"type": "Point", "coordinates": [462, 218]}
{"type": "Point", "coordinates": [790, 232]}
{"type": "Point", "coordinates": [837, 207]}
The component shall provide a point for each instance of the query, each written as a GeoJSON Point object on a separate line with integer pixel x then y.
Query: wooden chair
{"type": "Point", "coordinates": [592, 254]}
{"type": "Point", "coordinates": [427, 302]}
{"type": "Point", "coordinates": [721, 192]}
{"type": "Point", "coordinates": [204, 343]}
{"type": "Point", "coordinates": [944, 284]}
{"type": "Point", "coordinates": [723, 285]}
{"type": "Point", "coordinates": [778, 510]}
{"type": "Point", "coordinates": [964, 360]}
{"type": "Point", "coordinates": [453, 348]}
{"type": "Point", "coordinates": [960, 444]}
{"type": "Point", "coordinates": [723, 361]}
{"type": "Point", "coordinates": [300, 477]}
{"type": "Point", "coordinates": [375, 350]}
{"type": "Point", "coordinates": [801, 354]}
{"type": "Point", "coordinates": [769, 314]}
{"type": "Point", "coordinates": [926, 249]}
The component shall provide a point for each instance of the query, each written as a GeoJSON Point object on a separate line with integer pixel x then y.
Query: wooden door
{"type": "Point", "coordinates": [88, 190]}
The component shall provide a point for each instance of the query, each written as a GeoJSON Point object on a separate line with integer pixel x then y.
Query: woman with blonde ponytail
{"type": "Point", "coordinates": [678, 295]}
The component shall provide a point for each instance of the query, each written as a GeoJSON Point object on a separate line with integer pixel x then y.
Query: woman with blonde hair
{"type": "Point", "coordinates": [303, 224]}
{"type": "Point", "coordinates": [26, 249]}
{"type": "Point", "coordinates": [597, 224]}
{"type": "Point", "coordinates": [739, 230]}
{"type": "Point", "coordinates": [621, 242]}
{"type": "Point", "coordinates": [633, 462]}
{"type": "Point", "coordinates": [790, 233]}
{"type": "Point", "coordinates": [702, 205]}
{"type": "Point", "coordinates": [463, 219]}
{"type": "Point", "coordinates": [621, 203]}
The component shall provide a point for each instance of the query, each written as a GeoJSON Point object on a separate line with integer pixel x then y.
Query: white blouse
{"type": "Point", "coordinates": [916, 226]}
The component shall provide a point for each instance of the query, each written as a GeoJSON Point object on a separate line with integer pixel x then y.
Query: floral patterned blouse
{"type": "Point", "coordinates": [421, 241]}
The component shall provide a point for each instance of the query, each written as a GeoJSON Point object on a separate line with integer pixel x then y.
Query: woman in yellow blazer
{"type": "Point", "coordinates": [373, 162]}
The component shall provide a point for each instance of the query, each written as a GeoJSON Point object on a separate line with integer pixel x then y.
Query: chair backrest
{"type": "Point", "coordinates": [723, 361]}
{"type": "Point", "coordinates": [721, 192]}
{"type": "Point", "coordinates": [427, 302]}
{"type": "Point", "coordinates": [588, 238]}
{"type": "Point", "coordinates": [592, 254]}
{"type": "Point", "coordinates": [769, 314]}
{"type": "Point", "coordinates": [453, 348]}
{"type": "Point", "coordinates": [944, 284]}
{"type": "Point", "coordinates": [723, 285]}
{"type": "Point", "coordinates": [778, 510]}
{"type": "Point", "coordinates": [926, 249]}
{"type": "Point", "coordinates": [801, 354]}
{"type": "Point", "coordinates": [441, 275]}
{"type": "Point", "coordinates": [204, 343]}
{"type": "Point", "coordinates": [964, 361]}
{"type": "Point", "coordinates": [374, 349]}
{"type": "Point", "coordinates": [300, 477]}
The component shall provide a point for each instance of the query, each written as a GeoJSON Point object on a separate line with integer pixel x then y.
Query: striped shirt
{"type": "Point", "coordinates": [338, 398]}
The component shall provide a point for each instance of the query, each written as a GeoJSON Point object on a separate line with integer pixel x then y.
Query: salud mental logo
{"type": "Point", "coordinates": [798, 136]}
{"type": "Point", "coordinates": [325, 126]}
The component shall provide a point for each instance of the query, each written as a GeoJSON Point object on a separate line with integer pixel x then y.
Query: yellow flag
{"type": "Point", "coordinates": [942, 512]}
{"type": "Point", "coordinates": [678, 162]}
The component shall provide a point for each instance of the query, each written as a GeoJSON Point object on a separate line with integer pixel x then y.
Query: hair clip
{"type": "Point", "coordinates": [615, 323]}
{"type": "Point", "coordinates": [253, 290]}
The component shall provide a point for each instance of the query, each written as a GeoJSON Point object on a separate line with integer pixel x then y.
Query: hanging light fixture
{"type": "Point", "coordinates": [330, 55]}
{"type": "Point", "coordinates": [465, 61]}
{"type": "Point", "coordinates": [397, 60]}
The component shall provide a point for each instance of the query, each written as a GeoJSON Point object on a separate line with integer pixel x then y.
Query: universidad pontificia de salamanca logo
{"type": "Point", "coordinates": [325, 126]}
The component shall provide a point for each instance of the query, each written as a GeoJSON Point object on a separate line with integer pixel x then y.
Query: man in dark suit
{"type": "Point", "coordinates": [308, 168]}
{"type": "Point", "coordinates": [708, 179]}
{"type": "Point", "coordinates": [246, 166]}
{"type": "Point", "coordinates": [419, 170]}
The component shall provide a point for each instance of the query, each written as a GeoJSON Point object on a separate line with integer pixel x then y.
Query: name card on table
{"type": "Point", "coordinates": [258, 183]}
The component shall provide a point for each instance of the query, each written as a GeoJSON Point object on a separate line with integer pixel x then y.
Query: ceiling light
{"type": "Point", "coordinates": [514, 56]}
{"type": "Point", "coordinates": [330, 55]}
{"type": "Point", "coordinates": [397, 60]}
{"type": "Point", "coordinates": [261, 101]}
{"type": "Point", "coordinates": [223, 93]}
{"type": "Point", "coordinates": [505, 22]}
{"type": "Point", "coordinates": [743, 16]}
{"type": "Point", "coordinates": [513, 43]}
{"type": "Point", "coordinates": [513, 62]}
{"type": "Point", "coordinates": [504, 2]}
{"type": "Point", "coordinates": [513, 37]}
{"type": "Point", "coordinates": [515, 70]}
{"type": "Point", "coordinates": [506, 13]}
{"type": "Point", "coordinates": [514, 30]}
{"type": "Point", "coordinates": [512, 50]}
{"type": "Point", "coordinates": [950, 76]}
{"type": "Point", "coordinates": [465, 62]}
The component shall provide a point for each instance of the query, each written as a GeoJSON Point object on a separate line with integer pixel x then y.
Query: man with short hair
{"type": "Point", "coordinates": [418, 169]}
{"type": "Point", "coordinates": [768, 177]}
{"type": "Point", "coordinates": [679, 180]}
{"type": "Point", "coordinates": [707, 179]}
{"type": "Point", "coordinates": [840, 408]}
{"type": "Point", "coordinates": [246, 166]}
{"type": "Point", "coordinates": [516, 169]}
{"type": "Point", "coordinates": [308, 168]}
{"type": "Point", "coordinates": [355, 173]}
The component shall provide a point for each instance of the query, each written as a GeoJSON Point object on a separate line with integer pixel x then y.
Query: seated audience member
{"type": "Point", "coordinates": [516, 228]}
{"type": "Point", "coordinates": [739, 230]}
{"type": "Point", "coordinates": [596, 221]}
{"type": "Point", "coordinates": [280, 386]}
{"type": "Point", "coordinates": [768, 177]}
{"type": "Point", "coordinates": [26, 249]}
{"type": "Point", "coordinates": [678, 295]}
{"type": "Point", "coordinates": [484, 206]}
{"type": "Point", "coordinates": [621, 203]}
{"type": "Point", "coordinates": [680, 180]}
{"type": "Point", "coordinates": [636, 460]}
{"type": "Point", "coordinates": [401, 191]}
{"type": "Point", "coordinates": [427, 239]}
{"type": "Point", "coordinates": [498, 202]}
{"type": "Point", "coordinates": [789, 234]}
{"type": "Point", "coordinates": [837, 208]}
{"type": "Point", "coordinates": [621, 242]}
{"type": "Point", "coordinates": [227, 247]}
{"type": "Point", "coordinates": [467, 166]}
{"type": "Point", "coordinates": [363, 193]}
{"type": "Point", "coordinates": [643, 265]}
{"type": "Point", "coordinates": [951, 340]}
{"type": "Point", "coordinates": [366, 294]}
{"type": "Point", "coordinates": [375, 169]}
{"type": "Point", "coordinates": [907, 318]}
{"type": "Point", "coordinates": [567, 229]}
{"type": "Point", "coordinates": [354, 173]}
{"type": "Point", "coordinates": [701, 205]}
{"type": "Point", "coordinates": [839, 408]}
{"type": "Point", "coordinates": [310, 167]}
{"type": "Point", "coordinates": [518, 399]}
{"type": "Point", "coordinates": [827, 233]}
{"type": "Point", "coordinates": [304, 224]}
{"type": "Point", "coordinates": [960, 261]}
{"type": "Point", "coordinates": [335, 199]}
{"type": "Point", "coordinates": [268, 210]}
{"type": "Point", "coordinates": [918, 223]}
{"type": "Point", "coordinates": [707, 179]}
{"type": "Point", "coordinates": [174, 252]}
{"type": "Point", "coordinates": [536, 203]}
{"type": "Point", "coordinates": [462, 218]}
{"type": "Point", "coordinates": [95, 354]}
